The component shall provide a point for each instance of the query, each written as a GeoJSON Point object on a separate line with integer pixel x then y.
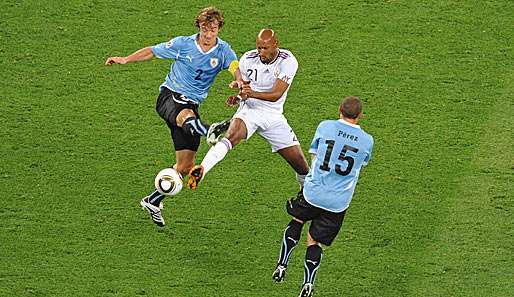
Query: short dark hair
{"type": "Point", "coordinates": [351, 107]}
{"type": "Point", "coordinates": [209, 15]}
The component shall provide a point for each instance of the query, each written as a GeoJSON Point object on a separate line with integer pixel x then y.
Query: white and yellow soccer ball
{"type": "Point", "coordinates": [168, 182]}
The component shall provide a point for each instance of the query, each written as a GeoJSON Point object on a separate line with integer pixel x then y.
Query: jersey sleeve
{"type": "Point", "coordinates": [368, 154]}
{"type": "Point", "coordinates": [313, 149]}
{"type": "Point", "coordinates": [168, 50]}
{"type": "Point", "coordinates": [288, 69]}
{"type": "Point", "coordinates": [228, 57]}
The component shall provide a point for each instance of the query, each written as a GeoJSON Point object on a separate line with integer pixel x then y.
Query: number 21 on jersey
{"type": "Point", "coordinates": [251, 72]}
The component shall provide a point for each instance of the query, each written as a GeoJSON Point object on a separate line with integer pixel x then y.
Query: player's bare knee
{"type": "Point", "coordinates": [183, 115]}
{"type": "Point", "coordinates": [236, 132]}
{"type": "Point", "coordinates": [235, 136]}
{"type": "Point", "coordinates": [234, 139]}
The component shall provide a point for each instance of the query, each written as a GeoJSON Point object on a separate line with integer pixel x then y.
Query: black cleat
{"type": "Point", "coordinates": [280, 273]}
{"type": "Point", "coordinates": [216, 131]}
{"type": "Point", "coordinates": [306, 290]}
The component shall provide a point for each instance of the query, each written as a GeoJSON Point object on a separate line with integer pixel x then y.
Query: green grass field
{"type": "Point", "coordinates": [80, 143]}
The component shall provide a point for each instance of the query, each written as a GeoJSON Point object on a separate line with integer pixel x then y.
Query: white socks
{"type": "Point", "coordinates": [300, 179]}
{"type": "Point", "coordinates": [216, 154]}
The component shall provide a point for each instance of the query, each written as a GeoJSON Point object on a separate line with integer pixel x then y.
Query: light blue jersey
{"type": "Point", "coordinates": [193, 72]}
{"type": "Point", "coordinates": [341, 150]}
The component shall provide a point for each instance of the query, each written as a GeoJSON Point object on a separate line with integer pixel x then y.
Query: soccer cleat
{"type": "Point", "coordinates": [280, 273]}
{"type": "Point", "coordinates": [195, 176]}
{"type": "Point", "coordinates": [216, 131]}
{"type": "Point", "coordinates": [306, 290]}
{"type": "Point", "coordinates": [155, 211]}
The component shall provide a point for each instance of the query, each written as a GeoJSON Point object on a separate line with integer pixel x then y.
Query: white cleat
{"type": "Point", "coordinates": [155, 212]}
{"type": "Point", "coordinates": [306, 290]}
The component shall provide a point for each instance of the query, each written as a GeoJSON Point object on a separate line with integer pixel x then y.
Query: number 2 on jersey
{"type": "Point", "coordinates": [342, 156]}
{"type": "Point", "coordinates": [199, 74]}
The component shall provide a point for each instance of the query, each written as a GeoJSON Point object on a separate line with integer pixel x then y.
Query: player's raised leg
{"type": "Point", "coordinates": [295, 157]}
{"type": "Point", "coordinates": [216, 131]}
{"type": "Point", "coordinates": [191, 124]}
{"type": "Point", "coordinates": [237, 131]}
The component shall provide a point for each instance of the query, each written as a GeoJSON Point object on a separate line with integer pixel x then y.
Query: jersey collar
{"type": "Point", "coordinates": [195, 36]}
{"type": "Point", "coordinates": [348, 123]}
{"type": "Point", "coordinates": [276, 58]}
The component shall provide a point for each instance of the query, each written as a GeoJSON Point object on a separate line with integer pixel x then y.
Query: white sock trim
{"type": "Point", "coordinates": [226, 142]}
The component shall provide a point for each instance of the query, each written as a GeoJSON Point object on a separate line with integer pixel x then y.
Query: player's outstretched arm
{"type": "Point", "coordinates": [140, 55]}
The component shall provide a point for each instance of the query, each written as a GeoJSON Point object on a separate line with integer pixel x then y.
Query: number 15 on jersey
{"type": "Point", "coordinates": [342, 157]}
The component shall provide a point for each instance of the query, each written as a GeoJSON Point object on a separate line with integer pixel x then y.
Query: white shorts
{"type": "Point", "coordinates": [271, 126]}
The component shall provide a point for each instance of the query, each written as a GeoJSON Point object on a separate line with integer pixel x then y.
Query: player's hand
{"type": "Point", "coordinates": [246, 90]}
{"type": "Point", "coordinates": [233, 100]}
{"type": "Point", "coordinates": [236, 84]}
{"type": "Point", "coordinates": [115, 60]}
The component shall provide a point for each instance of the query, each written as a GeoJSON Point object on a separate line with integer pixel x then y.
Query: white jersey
{"type": "Point", "coordinates": [262, 77]}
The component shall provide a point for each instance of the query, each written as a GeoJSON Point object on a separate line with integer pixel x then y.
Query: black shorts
{"type": "Point", "coordinates": [325, 224]}
{"type": "Point", "coordinates": [169, 105]}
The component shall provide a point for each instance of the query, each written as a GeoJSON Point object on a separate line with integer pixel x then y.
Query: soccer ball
{"type": "Point", "coordinates": [168, 182]}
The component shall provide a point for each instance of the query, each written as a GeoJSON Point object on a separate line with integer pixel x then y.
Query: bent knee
{"type": "Point", "coordinates": [183, 115]}
{"type": "Point", "coordinates": [234, 140]}
{"type": "Point", "coordinates": [236, 132]}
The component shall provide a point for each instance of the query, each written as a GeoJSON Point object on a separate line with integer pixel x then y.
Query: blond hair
{"type": "Point", "coordinates": [210, 15]}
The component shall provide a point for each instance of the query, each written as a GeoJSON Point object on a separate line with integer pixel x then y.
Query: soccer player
{"type": "Point", "coordinates": [197, 60]}
{"type": "Point", "coordinates": [339, 150]}
{"type": "Point", "coordinates": [267, 73]}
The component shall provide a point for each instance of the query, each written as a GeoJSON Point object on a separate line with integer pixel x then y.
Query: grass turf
{"type": "Point", "coordinates": [81, 142]}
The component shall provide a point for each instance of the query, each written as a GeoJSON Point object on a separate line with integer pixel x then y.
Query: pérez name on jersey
{"type": "Point", "coordinates": [347, 135]}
